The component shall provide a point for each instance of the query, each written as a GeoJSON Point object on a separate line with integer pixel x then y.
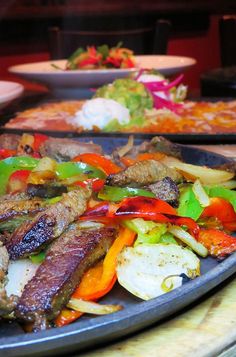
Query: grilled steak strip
{"type": "Point", "coordinates": [7, 304]}
{"type": "Point", "coordinates": [32, 235]}
{"type": "Point", "coordinates": [165, 190]}
{"type": "Point", "coordinates": [57, 277]}
{"type": "Point", "coordinates": [66, 149]}
{"type": "Point", "coordinates": [9, 141]}
{"type": "Point", "coordinates": [143, 173]}
{"type": "Point", "coordinates": [10, 209]}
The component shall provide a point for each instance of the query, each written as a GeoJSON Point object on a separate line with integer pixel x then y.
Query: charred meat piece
{"type": "Point", "coordinates": [57, 277]}
{"type": "Point", "coordinates": [7, 304]}
{"type": "Point", "coordinates": [66, 149]}
{"type": "Point", "coordinates": [143, 173]}
{"type": "Point", "coordinates": [9, 141]}
{"type": "Point", "coordinates": [10, 209]}
{"type": "Point", "coordinates": [48, 225]}
{"type": "Point", "coordinates": [160, 144]}
{"type": "Point", "coordinates": [229, 166]}
{"type": "Point", "coordinates": [45, 190]}
{"type": "Point", "coordinates": [165, 190]}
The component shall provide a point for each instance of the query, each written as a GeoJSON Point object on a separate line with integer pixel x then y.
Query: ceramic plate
{"type": "Point", "coordinates": [89, 331]}
{"type": "Point", "coordinates": [46, 73]}
{"type": "Point", "coordinates": [8, 92]}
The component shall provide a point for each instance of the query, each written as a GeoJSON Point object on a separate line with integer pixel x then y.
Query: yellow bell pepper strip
{"type": "Point", "coordinates": [218, 243]}
{"type": "Point", "coordinates": [98, 280]}
{"type": "Point", "coordinates": [98, 161]}
{"type": "Point", "coordinates": [223, 211]}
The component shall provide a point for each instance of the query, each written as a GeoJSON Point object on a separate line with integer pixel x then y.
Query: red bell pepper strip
{"type": "Point", "coordinates": [39, 139]}
{"type": "Point", "coordinates": [96, 183]}
{"type": "Point", "coordinates": [5, 153]}
{"type": "Point", "coordinates": [141, 207]}
{"type": "Point", "coordinates": [147, 206]}
{"type": "Point", "coordinates": [223, 211]}
{"type": "Point", "coordinates": [98, 161]}
{"type": "Point", "coordinates": [18, 181]}
{"type": "Point", "coordinates": [218, 243]}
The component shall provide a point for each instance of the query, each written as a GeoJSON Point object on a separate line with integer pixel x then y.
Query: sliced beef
{"type": "Point", "coordinates": [9, 141]}
{"type": "Point", "coordinates": [143, 173]}
{"type": "Point", "coordinates": [160, 144]}
{"type": "Point", "coordinates": [67, 149]}
{"type": "Point", "coordinates": [57, 277]}
{"type": "Point", "coordinates": [48, 225]}
{"type": "Point", "coordinates": [11, 208]}
{"type": "Point", "coordinates": [7, 304]}
{"type": "Point", "coordinates": [165, 190]}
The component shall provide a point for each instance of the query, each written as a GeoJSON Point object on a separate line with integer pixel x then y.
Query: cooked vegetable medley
{"type": "Point", "coordinates": [74, 221]}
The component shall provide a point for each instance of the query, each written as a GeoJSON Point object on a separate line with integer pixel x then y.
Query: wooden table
{"type": "Point", "coordinates": [205, 329]}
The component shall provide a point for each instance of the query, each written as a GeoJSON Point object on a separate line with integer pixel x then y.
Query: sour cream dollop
{"type": "Point", "coordinates": [99, 112]}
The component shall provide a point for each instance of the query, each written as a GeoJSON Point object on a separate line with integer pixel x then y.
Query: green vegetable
{"type": "Point", "coordinates": [189, 206]}
{"type": "Point", "coordinates": [218, 191]}
{"type": "Point", "coordinates": [38, 258]}
{"type": "Point", "coordinates": [12, 164]}
{"type": "Point", "coordinates": [12, 224]}
{"type": "Point", "coordinates": [149, 232]}
{"type": "Point", "coordinates": [167, 238]}
{"type": "Point", "coordinates": [115, 194]}
{"type": "Point", "coordinates": [70, 63]}
{"type": "Point", "coordinates": [69, 169]}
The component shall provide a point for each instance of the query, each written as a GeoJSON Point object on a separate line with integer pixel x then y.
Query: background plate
{"type": "Point", "coordinates": [44, 72]}
{"type": "Point", "coordinates": [137, 314]}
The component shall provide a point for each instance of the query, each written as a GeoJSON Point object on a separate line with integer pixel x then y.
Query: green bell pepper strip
{"type": "Point", "coordinates": [38, 258]}
{"type": "Point", "coordinates": [69, 169]}
{"type": "Point", "coordinates": [189, 206]}
{"type": "Point", "coordinates": [218, 191]}
{"type": "Point", "coordinates": [12, 164]}
{"type": "Point", "coordinates": [149, 232]}
{"type": "Point", "coordinates": [115, 194]}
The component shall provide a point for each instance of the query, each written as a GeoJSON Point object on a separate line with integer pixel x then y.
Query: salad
{"type": "Point", "coordinates": [147, 93]}
{"type": "Point", "coordinates": [74, 221]}
{"type": "Point", "coordinates": [101, 57]}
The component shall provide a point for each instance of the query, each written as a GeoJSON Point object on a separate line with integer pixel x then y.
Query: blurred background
{"type": "Point", "coordinates": [24, 28]}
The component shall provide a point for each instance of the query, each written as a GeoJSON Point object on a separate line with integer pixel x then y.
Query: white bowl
{"type": "Point", "coordinates": [9, 91]}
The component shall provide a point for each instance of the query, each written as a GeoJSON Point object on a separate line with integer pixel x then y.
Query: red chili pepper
{"type": "Point", "coordinates": [18, 181]}
{"type": "Point", "coordinates": [115, 62]}
{"type": "Point", "coordinates": [5, 153]}
{"type": "Point", "coordinates": [88, 61]}
{"type": "Point", "coordinates": [127, 63]}
{"type": "Point", "coordinates": [223, 211]}
{"type": "Point", "coordinates": [218, 243]}
{"type": "Point", "coordinates": [98, 161]}
{"type": "Point", "coordinates": [39, 139]}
